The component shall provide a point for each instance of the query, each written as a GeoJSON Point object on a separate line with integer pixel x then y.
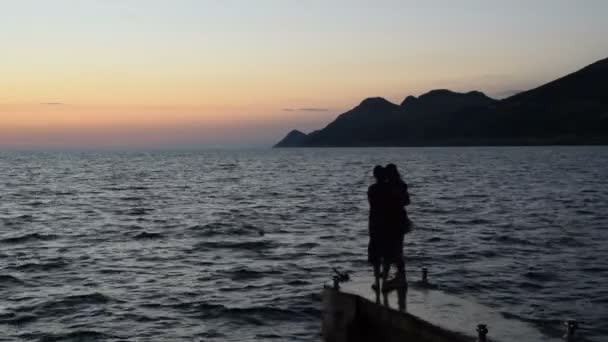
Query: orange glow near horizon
{"type": "Point", "coordinates": [117, 72]}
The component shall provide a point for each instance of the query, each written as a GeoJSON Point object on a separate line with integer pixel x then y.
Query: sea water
{"type": "Point", "coordinates": [230, 245]}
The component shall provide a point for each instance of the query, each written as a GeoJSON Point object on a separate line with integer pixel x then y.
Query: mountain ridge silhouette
{"type": "Point", "coordinates": [572, 109]}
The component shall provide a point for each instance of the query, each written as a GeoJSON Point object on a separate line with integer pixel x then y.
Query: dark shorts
{"type": "Point", "coordinates": [388, 249]}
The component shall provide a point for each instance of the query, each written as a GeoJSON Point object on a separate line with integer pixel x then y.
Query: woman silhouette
{"type": "Point", "coordinates": [398, 225]}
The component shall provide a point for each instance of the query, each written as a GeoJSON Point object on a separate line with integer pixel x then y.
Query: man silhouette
{"type": "Point", "coordinates": [377, 195]}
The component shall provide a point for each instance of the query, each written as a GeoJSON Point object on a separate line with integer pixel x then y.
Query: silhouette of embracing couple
{"type": "Point", "coordinates": [388, 224]}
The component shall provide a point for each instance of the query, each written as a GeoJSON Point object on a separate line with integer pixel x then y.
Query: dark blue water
{"type": "Point", "coordinates": [235, 245]}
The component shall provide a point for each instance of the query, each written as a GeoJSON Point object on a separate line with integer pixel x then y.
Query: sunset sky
{"type": "Point", "coordinates": [124, 73]}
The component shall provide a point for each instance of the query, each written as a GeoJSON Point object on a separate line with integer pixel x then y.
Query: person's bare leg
{"type": "Point", "coordinates": [386, 268]}
{"type": "Point", "coordinates": [385, 299]}
{"type": "Point", "coordinates": [376, 284]}
{"type": "Point", "coordinates": [401, 299]}
{"type": "Point", "coordinates": [401, 275]}
{"type": "Point", "coordinates": [399, 281]}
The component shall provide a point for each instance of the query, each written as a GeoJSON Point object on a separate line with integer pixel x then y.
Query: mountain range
{"type": "Point", "coordinates": [570, 110]}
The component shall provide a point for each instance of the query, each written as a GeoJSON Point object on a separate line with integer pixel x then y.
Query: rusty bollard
{"type": "Point", "coordinates": [482, 333]}
{"type": "Point", "coordinates": [571, 327]}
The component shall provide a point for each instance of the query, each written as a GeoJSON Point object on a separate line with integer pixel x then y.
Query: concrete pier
{"type": "Point", "coordinates": [351, 318]}
{"type": "Point", "coordinates": [355, 313]}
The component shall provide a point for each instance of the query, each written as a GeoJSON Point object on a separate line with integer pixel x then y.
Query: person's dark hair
{"type": "Point", "coordinates": [392, 174]}
{"type": "Point", "coordinates": [379, 173]}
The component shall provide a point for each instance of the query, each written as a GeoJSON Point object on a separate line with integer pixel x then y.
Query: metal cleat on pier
{"type": "Point", "coordinates": [571, 328]}
{"type": "Point", "coordinates": [482, 333]}
{"type": "Point", "coordinates": [425, 276]}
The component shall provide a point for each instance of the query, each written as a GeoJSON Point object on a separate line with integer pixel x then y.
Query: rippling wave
{"type": "Point", "coordinates": [235, 245]}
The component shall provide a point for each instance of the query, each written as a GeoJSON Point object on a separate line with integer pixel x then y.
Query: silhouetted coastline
{"type": "Point", "coordinates": [572, 110]}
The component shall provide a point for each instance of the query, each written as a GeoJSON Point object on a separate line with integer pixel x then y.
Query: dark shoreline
{"type": "Point", "coordinates": [496, 144]}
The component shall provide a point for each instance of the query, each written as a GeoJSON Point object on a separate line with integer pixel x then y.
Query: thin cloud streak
{"type": "Point", "coordinates": [306, 109]}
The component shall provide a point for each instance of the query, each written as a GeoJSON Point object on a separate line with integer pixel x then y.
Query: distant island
{"type": "Point", "coordinates": [570, 110]}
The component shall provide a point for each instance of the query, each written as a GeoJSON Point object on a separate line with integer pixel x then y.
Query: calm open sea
{"type": "Point", "coordinates": [235, 245]}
